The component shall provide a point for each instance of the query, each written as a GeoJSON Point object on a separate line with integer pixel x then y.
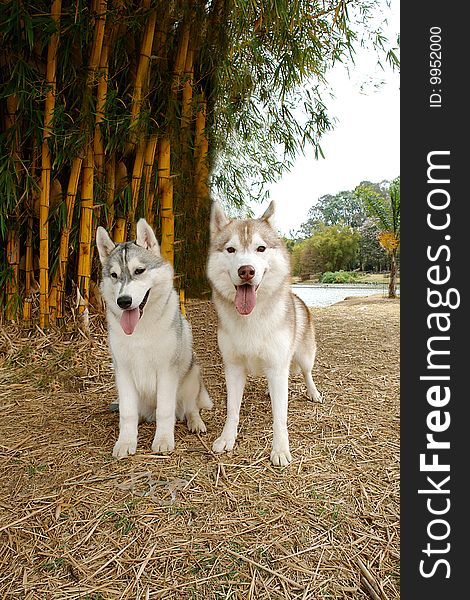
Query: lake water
{"type": "Point", "coordinates": [325, 294]}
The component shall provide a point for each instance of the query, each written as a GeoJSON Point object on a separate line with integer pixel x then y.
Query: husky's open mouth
{"type": "Point", "coordinates": [245, 298]}
{"type": "Point", "coordinates": [130, 318]}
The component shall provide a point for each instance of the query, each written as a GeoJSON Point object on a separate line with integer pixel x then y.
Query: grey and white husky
{"type": "Point", "coordinates": [157, 377]}
{"type": "Point", "coordinates": [263, 328]}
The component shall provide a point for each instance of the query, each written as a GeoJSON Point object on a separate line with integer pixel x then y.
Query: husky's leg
{"type": "Point", "coordinates": [278, 382]}
{"type": "Point", "coordinates": [167, 384]}
{"type": "Point", "coordinates": [305, 363]}
{"type": "Point", "coordinates": [128, 415]}
{"type": "Point", "coordinates": [235, 377]}
{"type": "Point", "coordinates": [191, 398]}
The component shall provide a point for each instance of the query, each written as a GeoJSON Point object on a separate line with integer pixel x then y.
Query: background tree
{"type": "Point", "coordinates": [331, 248]}
{"type": "Point", "coordinates": [344, 207]}
{"type": "Point", "coordinates": [384, 210]}
{"type": "Point", "coordinates": [371, 255]}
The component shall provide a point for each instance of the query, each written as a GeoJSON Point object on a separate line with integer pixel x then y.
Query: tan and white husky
{"type": "Point", "coordinates": [263, 328]}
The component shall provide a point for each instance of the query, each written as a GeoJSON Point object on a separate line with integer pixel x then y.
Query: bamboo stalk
{"type": "Point", "coordinates": [149, 190]}
{"type": "Point", "coordinates": [13, 259]}
{"type": "Point", "coordinates": [187, 95]}
{"type": "Point", "coordinates": [120, 226]}
{"type": "Point", "coordinates": [165, 181]}
{"type": "Point", "coordinates": [97, 47]}
{"type": "Point", "coordinates": [85, 235]}
{"type": "Point", "coordinates": [119, 231]}
{"type": "Point", "coordinates": [13, 237]}
{"type": "Point", "coordinates": [102, 89]}
{"type": "Point", "coordinates": [180, 59]}
{"type": "Point", "coordinates": [201, 148]}
{"type": "Point", "coordinates": [59, 280]}
{"type": "Point", "coordinates": [135, 185]}
{"type": "Point", "coordinates": [46, 169]}
{"type": "Point", "coordinates": [110, 190]}
{"type": "Point", "coordinates": [182, 305]}
{"type": "Point", "coordinates": [165, 185]}
{"type": "Point", "coordinates": [86, 209]}
{"type": "Point", "coordinates": [29, 273]}
{"type": "Point", "coordinates": [29, 258]}
{"type": "Point", "coordinates": [143, 67]}
{"type": "Point", "coordinates": [55, 198]}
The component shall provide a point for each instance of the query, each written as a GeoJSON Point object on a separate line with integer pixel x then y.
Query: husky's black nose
{"type": "Point", "coordinates": [124, 302]}
{"type": "Point", "coordinates": [246, 272]}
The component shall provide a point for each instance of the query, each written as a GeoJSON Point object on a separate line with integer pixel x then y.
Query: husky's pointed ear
{"type": "Point", "coordinates": [218, 218]}
{"type": "Point", "coordinates": [146, 237]}
{"type": "Point", "coordinates": [104, 243]}
{"type": "Point", "coordinates": [268, 214]}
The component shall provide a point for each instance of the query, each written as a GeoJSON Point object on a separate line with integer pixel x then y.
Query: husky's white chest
{"type": "Point", "coordinates": [257, 343]}
{"type": "Point", "coordinates": [140, 355]}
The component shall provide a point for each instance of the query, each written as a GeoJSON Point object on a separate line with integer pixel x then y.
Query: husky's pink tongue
{"type": "Point", "coordinates": [245, 298]}
{"type": "Point", "coordinates": [129, 320]}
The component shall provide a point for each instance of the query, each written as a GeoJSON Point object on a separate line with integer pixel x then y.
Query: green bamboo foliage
{"type": "Point", "coordinates": [134, 109]}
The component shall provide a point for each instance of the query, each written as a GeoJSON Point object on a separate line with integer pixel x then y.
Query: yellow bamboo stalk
{"type": "Point", "coordinates": [120, 226]}
{"type": "Point", "coordinates": [165, 181]}
{"type": "Point", "coordinates": [46, 169]}
{"type": "Point", "coordinates": [182, 305]}
{"type": "Point", "coordinates": [143, 67]}
{"type": "Point", "coordinates": [29, 259]}
{"type": "Point", "coordinates": [55, 198]}
{"type": "Point", "coordinates": [29, 274]}
{"type": "Point", "coordinates": [13, 258]}
{"type": "Point", "coordinates": [135, 185]}
{"type": "Point", "coordinates": [97, 47]}
{"type": "Point", "coordinates": [165, 185]}
{"type": "Point", "coordinates": [85, 233]}
{"type": "Point", "coordinates": [102, 89]}
{"type": "Point", "coordinates": [58, 286]}
{"type": "Point", "coordinates": [13, 237]}
{"type": "Point", "coordinates": [201, 148]}
{"type": "Point", "coordinates": [181, 55]}
{"type": "Point", "coordinates": [110, 190]}
{"type": "Point", "coordinates": [149, 190]}
{"type": "Point", "coordinates": [119, 231]}
{"type": "Point", "coordinates": [187, 95]}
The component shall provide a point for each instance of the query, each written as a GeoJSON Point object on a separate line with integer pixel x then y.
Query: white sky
{"type": "Point", "coordinates": [364, 144]}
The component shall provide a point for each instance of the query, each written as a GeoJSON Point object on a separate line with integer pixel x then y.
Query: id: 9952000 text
{"type": "Point", "coordinates": [435, 63]}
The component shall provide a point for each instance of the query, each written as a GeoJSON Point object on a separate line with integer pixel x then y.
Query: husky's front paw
{"type": "Point", "coordinates": [195, 423]}
{"type": "Point", "coordinates": [280, 458]}
{"type": "Point", "coordinates": [223, 443]}
{"type": "Point", "coordinates": [313, 393]}
{"type": "Point", "coordinates": [123, 448]}
{"type": "Point", "coordinates": [315, 396]}
{"type": "Point", "coordinates": [163, 444]}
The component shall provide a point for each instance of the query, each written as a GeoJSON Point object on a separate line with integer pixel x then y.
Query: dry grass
{"type": "Point", "coordinates": [75, 523]}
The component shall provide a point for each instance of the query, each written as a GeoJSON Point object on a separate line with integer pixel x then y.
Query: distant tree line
{"type": "Point", "coordinates": [351, 230]}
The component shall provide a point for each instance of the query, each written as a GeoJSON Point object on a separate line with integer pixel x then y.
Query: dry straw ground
{"type": "Point", "coordinates": [76, 523]}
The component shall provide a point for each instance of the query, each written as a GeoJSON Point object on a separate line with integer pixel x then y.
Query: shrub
{"type": "Point", "coordinates": [338, 277]}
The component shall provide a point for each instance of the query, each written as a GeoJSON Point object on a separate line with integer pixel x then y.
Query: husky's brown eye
{"type": "Point", "coordinates": [260, 248]}
{"type": "Point", "coordinates": [114, 275]}
{"type": "Point", "coordinates": [139, 271]}
{"type": "Point", "coordinates": [230, 250]}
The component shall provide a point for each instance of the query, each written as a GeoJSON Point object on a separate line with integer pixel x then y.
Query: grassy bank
{"type": "Point", "coordinates": [356, 279]}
